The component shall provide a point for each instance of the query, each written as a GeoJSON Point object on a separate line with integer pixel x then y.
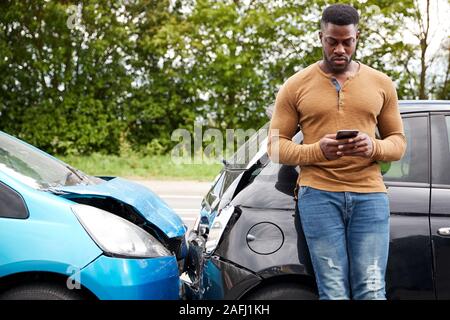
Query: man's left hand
{"type": "Point", "coordinates": [360, 146]}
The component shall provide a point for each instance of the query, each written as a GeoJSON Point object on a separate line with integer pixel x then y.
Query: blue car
{"type": "Point", "coordinates": [67, 235]}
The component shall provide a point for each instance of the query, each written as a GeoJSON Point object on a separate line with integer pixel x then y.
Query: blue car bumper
{"type": "Point", "coordinates": [132, 279]}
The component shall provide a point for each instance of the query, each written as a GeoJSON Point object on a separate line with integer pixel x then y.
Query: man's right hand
{"type": "Point", "coordinates": [329, 146]}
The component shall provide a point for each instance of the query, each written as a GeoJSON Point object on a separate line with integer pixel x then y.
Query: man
{"type": "Point", "coordinates": [342, 200]}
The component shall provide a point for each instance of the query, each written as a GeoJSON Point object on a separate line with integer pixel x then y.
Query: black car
{"type": "Point", "coordinates": [248, 244]}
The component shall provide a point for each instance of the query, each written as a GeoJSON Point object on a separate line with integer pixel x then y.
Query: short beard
{"type": "Point", "coordinates": [332, 69]}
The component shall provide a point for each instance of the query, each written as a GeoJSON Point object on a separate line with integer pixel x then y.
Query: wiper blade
{"type": "Point", "coordinates": [76, 172]}
{"type": "Point", "coordinates": [53, 189]}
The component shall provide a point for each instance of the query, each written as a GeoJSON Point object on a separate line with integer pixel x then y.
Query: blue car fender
{"type": "Point", "coordinates": [30, 245]}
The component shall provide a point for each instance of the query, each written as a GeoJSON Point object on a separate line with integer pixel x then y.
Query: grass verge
{"type": "Point", "coordinates": [142, 167]}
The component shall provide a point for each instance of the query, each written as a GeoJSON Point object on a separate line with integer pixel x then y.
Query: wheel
{"type": "Point", "coordinates": [284, 291]}
{"type": "Point", "coordinates": [41, 291]}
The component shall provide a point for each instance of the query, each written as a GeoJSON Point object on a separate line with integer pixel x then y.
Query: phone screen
{"type": "Point", "coordinates": [346, 134]}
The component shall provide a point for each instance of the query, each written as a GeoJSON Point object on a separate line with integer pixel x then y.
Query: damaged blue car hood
{"type": "Point", "coordinates": [147, 203]}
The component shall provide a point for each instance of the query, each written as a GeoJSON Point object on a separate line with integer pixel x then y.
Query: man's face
{"type": "Point", "coordinates": [338, 45]}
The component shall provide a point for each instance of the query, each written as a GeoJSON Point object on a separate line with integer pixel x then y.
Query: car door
{"type": "Point", "coordinates": [409, 273]}
{"type": "Point", "coordinates": [440, 202]}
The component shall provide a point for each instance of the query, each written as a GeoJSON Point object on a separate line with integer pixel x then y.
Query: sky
{"type": "Point", "coordinates": [439, 24]}
{"type": "Point", "coordinates": [439, 35]}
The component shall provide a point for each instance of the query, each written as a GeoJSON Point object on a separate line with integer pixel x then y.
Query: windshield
{"type": "Point", "coordinates": [37, 169]}
{"type": "Point", "coordinates": [249, 149]}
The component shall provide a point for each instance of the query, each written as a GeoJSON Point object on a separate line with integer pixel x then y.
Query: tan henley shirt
{"type": "Point", "coordinates": [310, 99]}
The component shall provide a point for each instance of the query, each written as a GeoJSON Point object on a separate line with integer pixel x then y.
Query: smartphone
{"type": "Point", "coordinates": [346, 134]}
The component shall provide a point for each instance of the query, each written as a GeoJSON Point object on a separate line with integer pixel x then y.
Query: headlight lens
{"type": "Point", "coordinates": [217, 228]}
{"type": "Point", "coordinates": [117, 236]}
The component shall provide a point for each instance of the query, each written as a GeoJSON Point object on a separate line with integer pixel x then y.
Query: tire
{"type": "Point", "coordinates": [41, 291]}
{"type": "Point", "coordinates": [284, 291]}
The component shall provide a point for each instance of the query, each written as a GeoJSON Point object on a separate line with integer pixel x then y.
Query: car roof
{"type": "Point", "coordinates": [408, 106]}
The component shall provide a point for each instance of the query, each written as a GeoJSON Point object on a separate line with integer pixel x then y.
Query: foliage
{"type": "Point", "coordinates": [115, 75]}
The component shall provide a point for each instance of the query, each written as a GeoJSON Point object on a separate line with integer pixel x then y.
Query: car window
{"type": "Point", "coordinates": [440, 135]}
{"type": "Point", "coordinates": [35, 168]}
{"type": "Point", "coordinates": [218, 186]}
{"type": "Point", "coordinates": [11, 204]}
{"type": "Point", "coordinates": [413, 167]}
{"type": "Point", "coordinates": [447, 124]}
{"type": "Point", "coordinates": [249, 149]}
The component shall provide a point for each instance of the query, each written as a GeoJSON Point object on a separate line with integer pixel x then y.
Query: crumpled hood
{"type": "Point", "coordinates": [147, 203]}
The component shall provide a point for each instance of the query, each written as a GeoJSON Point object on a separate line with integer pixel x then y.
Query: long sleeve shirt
{"type": "Point", "coordinates": [309, 99]}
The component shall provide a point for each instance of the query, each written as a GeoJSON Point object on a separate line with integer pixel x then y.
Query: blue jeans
{"type": "Point", "coordinates": [348, 239]}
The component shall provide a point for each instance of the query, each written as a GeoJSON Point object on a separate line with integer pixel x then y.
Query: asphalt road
{"type": "Point", "coordinates": [183, 196]}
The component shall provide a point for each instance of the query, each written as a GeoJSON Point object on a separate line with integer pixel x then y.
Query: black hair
{"type": "Point", "coordinates": [340, 14]}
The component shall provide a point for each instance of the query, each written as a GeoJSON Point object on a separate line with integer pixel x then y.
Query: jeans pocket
{"type": "Point", "coordinates": [303, 191]}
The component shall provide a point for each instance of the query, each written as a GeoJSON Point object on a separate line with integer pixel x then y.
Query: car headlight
{"type": "Point", "coordinates": [117, 236]}
{"type": "Point", "coordinates": [217, 228]}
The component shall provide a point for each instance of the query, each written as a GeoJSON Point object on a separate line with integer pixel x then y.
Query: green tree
{"type": "Point", "coordinates": [239, 52]}
{"type": "Point", "coordinates": [83, 77]}
{"type": "Point", "coordinates": [160, 101]}
{"type": "Point", "coordinates": [65, 75]}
